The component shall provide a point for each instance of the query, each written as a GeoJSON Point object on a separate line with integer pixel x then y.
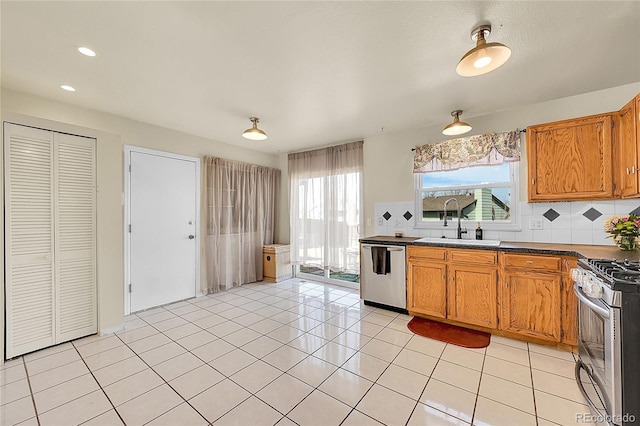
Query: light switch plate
{"type": "Point", "coordinates": [535, 223]}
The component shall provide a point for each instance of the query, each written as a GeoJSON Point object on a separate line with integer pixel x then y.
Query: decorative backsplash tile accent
{"type": "Point", "coordinates": [592, 214]}
{"type": "Point", "coordinates": [551, 215]}
{"type": "Point", "coordinates": [578, 222]}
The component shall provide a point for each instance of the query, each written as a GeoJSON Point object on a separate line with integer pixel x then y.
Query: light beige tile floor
{"type": "Point", "coordinates": [295, 352]}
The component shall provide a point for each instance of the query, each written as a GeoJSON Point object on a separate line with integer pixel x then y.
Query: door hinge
{"type": "Point", "coordinates": [129, 228]}
{"type": "Point", "coordinates": [561, 334]}
{"type": "Point", "coordinates": [129, 288]}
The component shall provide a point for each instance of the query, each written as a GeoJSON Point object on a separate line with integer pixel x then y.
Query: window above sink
{"type": "Point", "coordinates": [487, 194]}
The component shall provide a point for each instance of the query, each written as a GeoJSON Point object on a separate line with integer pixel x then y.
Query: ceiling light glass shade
{"type": "Point", "coordinates": [254, 133]}
{"type": "Point", "coordinates": [86, 51]}
{"type": "Point", "coordinates": [457, 127]}
{"type": "Point", "coordinates": [67, 88]}
{"type": "Point", "coordinates": [483, 58]}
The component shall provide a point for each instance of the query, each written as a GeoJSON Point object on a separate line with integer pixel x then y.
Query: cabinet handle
{"type": "Point", "coordinates": [529, 261]}
{"type": "Point", "coordinates": [627, 170]}
{"type": "Point", "coordinates": [633, 170]}
{"type": "Point", "coordinates": [533, 181]}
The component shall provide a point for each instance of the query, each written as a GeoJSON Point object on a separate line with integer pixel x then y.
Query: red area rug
{"type": "Point", "coordinates": [449, 333]}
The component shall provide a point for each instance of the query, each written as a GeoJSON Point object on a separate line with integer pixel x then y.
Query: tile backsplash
{"type": "Point", "coordinates": [563, 222]}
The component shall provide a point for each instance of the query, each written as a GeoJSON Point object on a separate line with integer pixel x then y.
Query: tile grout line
{"type": "Point", "coordinates": [33, 399]}
{"type": "Point", "coordinates": [149, 390]}
{"type": "Point", "coordinates": [533, 387]}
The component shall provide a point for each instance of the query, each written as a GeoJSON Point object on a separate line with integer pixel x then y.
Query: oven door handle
{"type": "Point", "coordinates": [584, 299]}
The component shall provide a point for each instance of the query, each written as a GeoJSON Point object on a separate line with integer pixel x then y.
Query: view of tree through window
{"type": "Point", "coordinates": [484, 193]}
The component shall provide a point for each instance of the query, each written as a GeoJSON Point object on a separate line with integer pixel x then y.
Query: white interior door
{"type": "Point", "coordinates": [163, 243]}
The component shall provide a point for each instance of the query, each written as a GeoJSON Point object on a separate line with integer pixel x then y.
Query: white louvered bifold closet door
{"type": "Point", "coordinates": [50, 283]}
{"type": "Point", "coordinates": [29, 291]}
{"type": "Point", "coordinates": [75, 236]}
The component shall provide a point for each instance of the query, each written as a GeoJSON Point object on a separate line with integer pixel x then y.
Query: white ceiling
{"type": "Point", "coordinates": [316, 73]}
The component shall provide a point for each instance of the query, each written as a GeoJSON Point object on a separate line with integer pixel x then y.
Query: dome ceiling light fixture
{"type": "Point", "coordinates": [483, 58]}
{"type": "Point", "coordinates": [457, 127]}
{"type": "Point", "coordinates": [254, 133]}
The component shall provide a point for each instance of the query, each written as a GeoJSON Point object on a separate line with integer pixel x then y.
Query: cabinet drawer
{"type": "Point", "coordinates": [427, 252]}
{"type": "Point", "coordinates": [547, 263]}
{"type": "Point", "coordinates": [475, 257]}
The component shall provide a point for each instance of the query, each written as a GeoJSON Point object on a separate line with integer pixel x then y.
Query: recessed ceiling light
{"type": "Point", "coordinates": [67, 88]}
{"type": "Point", "coordinates": [86, 51]}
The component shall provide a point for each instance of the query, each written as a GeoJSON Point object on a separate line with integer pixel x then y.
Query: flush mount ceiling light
{"type": "Point", "coordinates": [457, 127]}
{"type": "Point", "coordinates": [67, 88]}
{"type": "Point", "coordinates": [483, 58]}
{"type": "Point", "coordinates": [254, 133]}
{"type": "Point", "coordinates": [86, 51]}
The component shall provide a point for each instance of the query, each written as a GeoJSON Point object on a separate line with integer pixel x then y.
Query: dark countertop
{"type": "Point", "coordinates": [579, 250]}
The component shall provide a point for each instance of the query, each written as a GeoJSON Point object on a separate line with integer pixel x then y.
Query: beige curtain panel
{"type": "Point", "coordinates": [326, 206]}
{"type": "Point", "coordinates": [239, 217]}
{"type": "Point", "coordinates": [478, 150]}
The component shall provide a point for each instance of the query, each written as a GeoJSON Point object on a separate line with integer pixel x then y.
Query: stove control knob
{"type": "Point", "coordinates": [626, 262]}
{"type": "Point", "coordinates": [575, 274]}
{"type": "Point", "coordinates": [596, 291]}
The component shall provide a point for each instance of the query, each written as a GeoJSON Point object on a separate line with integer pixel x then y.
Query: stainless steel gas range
{"type": "Point", "coordinates": [608, 293]}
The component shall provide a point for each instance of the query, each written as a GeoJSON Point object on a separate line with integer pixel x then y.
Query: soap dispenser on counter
{"type": "Point", "coordinates": [478, 232]}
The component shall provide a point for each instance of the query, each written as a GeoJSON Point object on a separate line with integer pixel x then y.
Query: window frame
{"type": "Point", "coordinates": [514, 189]}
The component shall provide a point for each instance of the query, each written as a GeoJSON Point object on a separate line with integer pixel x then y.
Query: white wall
{"type": "Point", "coordinates": [388, 158]}
{"type": "Point", "coordinates": [112, 133]}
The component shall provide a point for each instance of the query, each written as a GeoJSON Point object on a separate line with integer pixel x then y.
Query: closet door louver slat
{"type": "Point", "coordinates": [28, 239]}
{"type": "Point", "coordinates": [75, 241]}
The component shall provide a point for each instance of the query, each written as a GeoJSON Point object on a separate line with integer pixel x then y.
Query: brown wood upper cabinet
{"type": "Point", "coordinates": [626, 150]}
{"type": "Point", "coordinates": [571, 159]}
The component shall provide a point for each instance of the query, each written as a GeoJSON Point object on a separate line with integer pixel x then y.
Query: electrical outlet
{"type": "Point", "coordinates": [535, 223]}
{"type": "Point", "coordinates": [369, 221]}
{"type": "Point", "coordinates": [379, 221]}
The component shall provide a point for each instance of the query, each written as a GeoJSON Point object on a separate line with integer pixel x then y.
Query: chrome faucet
{"type": "Point", "coordinates": [460, 230]}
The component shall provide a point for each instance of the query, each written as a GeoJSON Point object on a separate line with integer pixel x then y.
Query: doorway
{"type": "Point", "coordinates": [162, 224]}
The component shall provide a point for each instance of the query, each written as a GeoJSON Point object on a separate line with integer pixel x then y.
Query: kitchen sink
{"type": "Point", "coordinates": [462, 242]}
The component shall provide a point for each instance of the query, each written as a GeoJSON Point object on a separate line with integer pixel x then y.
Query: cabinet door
{"type": "Point", "coordinates": [569, 313]}
{"type": "Point", "coordinates": [472, 295]}
{"type": "Point", "coordinates": [427, 287]}
{"type": "Point", "coordinates": [570, 160]}
{"type": "Point", "coordinates": [531, 304]}
{"type": "Point", "coordinates": [626, 151]}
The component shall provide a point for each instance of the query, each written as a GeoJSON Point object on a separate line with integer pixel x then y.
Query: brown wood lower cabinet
{"type": "Point", "coordinates": [472, 295]}
{"type": "Point", "coordinates": [455, 284]}
{"type": "Point", "coordinates": [427, 275]}
{"type": "Point", "coordinates": [531, 304]}
{"type": "Point", "coordinates": [519, 295]}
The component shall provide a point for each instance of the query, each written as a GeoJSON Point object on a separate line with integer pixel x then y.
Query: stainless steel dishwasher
{"type": "Point", "coordinates": [386, 290]}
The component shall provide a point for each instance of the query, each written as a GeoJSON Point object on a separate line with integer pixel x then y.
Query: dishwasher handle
{"type": "Point", "coordinates": [387, 247]}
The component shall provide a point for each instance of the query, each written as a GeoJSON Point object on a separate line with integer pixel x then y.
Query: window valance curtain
{"type": "Point", "coordinates": [239, 217]}
{"type": "Point", "coordinates": [478, 150]}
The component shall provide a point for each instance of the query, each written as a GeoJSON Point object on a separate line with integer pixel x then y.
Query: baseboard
{"type": "Point", "coordinates": [111, 330]}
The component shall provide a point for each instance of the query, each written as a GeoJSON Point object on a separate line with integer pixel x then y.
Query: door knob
{"type": "Point", "coordinates": [191, 237]}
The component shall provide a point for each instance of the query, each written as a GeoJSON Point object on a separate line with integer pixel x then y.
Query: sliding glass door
{"type": "Point", "coordinates": [326, 210]}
